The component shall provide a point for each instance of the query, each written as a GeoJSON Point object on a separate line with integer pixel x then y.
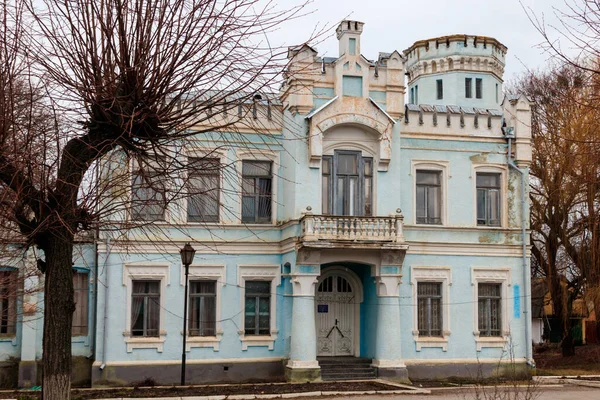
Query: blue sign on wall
{"type": "Point", "coordinates": [517, 301]}
{"type": "Point", "coordinates": [323, 308]}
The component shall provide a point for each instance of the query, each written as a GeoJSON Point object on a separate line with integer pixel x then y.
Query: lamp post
{"type": "Point", "coordinates": [187, 257]}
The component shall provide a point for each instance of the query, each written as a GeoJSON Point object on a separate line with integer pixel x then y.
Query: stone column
{"type": "Point", "coordinates": [303, 365]}
{"type": "Point", "coordinates": [388, 354]}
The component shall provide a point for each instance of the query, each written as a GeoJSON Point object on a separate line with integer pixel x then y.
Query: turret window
{"type": "Point", "coordinates": [479, 88]}
{"type": "Point", "coordinates": [468, 89]}
{"type": "Point", "coordinates": [440, 89]}
{"type": "Point", "coordinates": [352, 46]}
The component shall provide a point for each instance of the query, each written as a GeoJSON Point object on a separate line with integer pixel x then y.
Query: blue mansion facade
{"type": "Point", "coordinates": [373, 217]}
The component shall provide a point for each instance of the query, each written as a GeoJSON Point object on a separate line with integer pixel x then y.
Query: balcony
{"type": "Point", "coordinates": [350, 231]}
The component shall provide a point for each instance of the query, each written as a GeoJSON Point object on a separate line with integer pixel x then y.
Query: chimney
{"type": "Point", "coordinates": [348, 33]}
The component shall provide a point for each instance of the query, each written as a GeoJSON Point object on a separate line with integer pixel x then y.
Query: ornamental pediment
{"type": "Point", "coordinates": [357, 111]}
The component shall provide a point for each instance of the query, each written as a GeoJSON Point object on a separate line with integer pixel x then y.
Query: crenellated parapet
{"type": "Point", "coordinates": [452, 120]}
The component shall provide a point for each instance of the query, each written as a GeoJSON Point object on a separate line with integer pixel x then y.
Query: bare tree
{"type": "Point", "coordinates": [108, 83]}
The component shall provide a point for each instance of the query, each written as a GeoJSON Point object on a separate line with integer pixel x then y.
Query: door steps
{"type": "Point", "coordinates": [346, 368]}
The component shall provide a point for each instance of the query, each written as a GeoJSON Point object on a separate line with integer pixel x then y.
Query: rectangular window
{"type": "Point", "coordinates": [148, 194]}
{"type": "Point", "coordinates": [256, 191]}
{"type": "Point", "coordinates": [368, 185]}
{"type": "Point", "coordinates": [496, 93]}
{"type": "Point", "coordinates": [488, 199]}
{"type": "Point", "coordinates": [80, 316]}
{"type": "Point", "coordinates": [429, 197]}
{"type": "Point", "coordinates": [440, 89]}
{"type": "Point", "coordinates": [416, 94]}
{"type": "Point", "coordinates": [145, 308]}
{"type": "Point", "coordinates": [257, 310]}
{"type": "Point", "coordinates": [326, 185]}
{"type": "Point", "coordinates": [479, 88]}
{"type": "Point", "coordinates": [203, 190]}
{"type": "Point", "coordinates": [489, 309]}
{"type": "Point", "coordinates": [429, 297]}
{"type": "Point", "coordinates": [352, 86]}
{"type": "Point", "coordinates": [8, 302]}
{"type": "Point", "coordinates": [203, 308]}
{"type": "Point", "coordinates": [412, 95]}
{"type": "Point", "coordinates": [352, 46]}
{"type": "Point", "coordinates": [468, 91]}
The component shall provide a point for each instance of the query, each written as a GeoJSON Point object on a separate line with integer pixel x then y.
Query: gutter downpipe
{"type": "Point", "coordinates": [106, 287]}
{"type": "Point", "coordinates": [526, 274]}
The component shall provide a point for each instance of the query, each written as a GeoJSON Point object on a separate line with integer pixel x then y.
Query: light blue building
{"type": "Point", "coordinates": [353, 228]}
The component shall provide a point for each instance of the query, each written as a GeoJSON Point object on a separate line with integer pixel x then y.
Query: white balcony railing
{"type": "Point", "coordinates": [348, 228]}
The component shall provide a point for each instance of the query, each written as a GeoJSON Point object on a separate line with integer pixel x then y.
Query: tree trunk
{"type": "Point", "coordinates": [568, 345]}
{"type": "Point", "coordinates": [58, 316]}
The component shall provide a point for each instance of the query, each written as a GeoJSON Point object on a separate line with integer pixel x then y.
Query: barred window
{"type": "Point", "coordinates": [203, 308]}
{"type": "Point", "coordinates": [489, 311]}
{"type": "Point", "coordinates": [256, 191]}
{"type": "Point", "coordinates": [257, 312]}
{"type": "Point", "coordinates": [203, 190]}
{"type": "Point", "coordinates": [488, 199]}
{"type": "Point", "coordinates": [429, 197]}
{"type": "Point", "coordinates": [145, 308]}
{"type": "Point", "coordinates": [429, 298]}
{"type": "Point", "coordinates": [80, 316]}
{"type": "Point", "coordinates": [8, 302]}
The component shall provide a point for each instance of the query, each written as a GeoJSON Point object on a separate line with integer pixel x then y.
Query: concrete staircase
{"type": "Point", "coordinates": [346, 368]}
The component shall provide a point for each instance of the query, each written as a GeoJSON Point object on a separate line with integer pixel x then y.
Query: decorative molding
{"type": "Point", "coordinates": [259, 272]}
{"type": "Point", "coordinates": [442, 275]}
{"type": "Point", "coordinates": [214, 272]}
{"type": "Point", "coordinates": [491, 275]}
{"type": "Point", "coordinates": [304, 284]}
{"type": "Point", "coordinates": [145, 271]}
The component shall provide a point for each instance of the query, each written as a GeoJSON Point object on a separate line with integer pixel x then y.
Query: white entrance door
{"type": "Point", "coordinates": [336, 304]}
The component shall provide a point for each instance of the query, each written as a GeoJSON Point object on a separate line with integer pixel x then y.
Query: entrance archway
{"type": "Point", "coordinates": [338, 297]}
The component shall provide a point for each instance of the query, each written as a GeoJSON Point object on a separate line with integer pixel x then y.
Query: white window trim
{"type": "Point", "coordinates": [169, 211]}
{"type": "Point", "coordinates": [501, 169]}
{"type": "Point", "coordinates": [145, 271]}
{"type": "Point", "coordinates": [259, 272]}
{"type": "Point", "coordinates": [219, 154]}
{"type": "Point", "coordinates": [259, 155]}
{"type": "Point", "coordinates": [431, 165]}
{"type": "Point", "coordinates": [216, 273]}
{"type": "Point", "coordinates": [491, 275]}
{"type": "Point", "coordinates": [441, 275]}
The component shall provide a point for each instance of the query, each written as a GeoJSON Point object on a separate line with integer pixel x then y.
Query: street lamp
{"type": "Point", "coordinates": [187, 257]}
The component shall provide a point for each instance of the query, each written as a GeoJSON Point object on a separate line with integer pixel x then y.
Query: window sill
{"type": "Point", "coordinates": [490, 341]}
{"type": "Point", "coordinates": [203, 341]}
{"type": "Point", "coordinates": [258, 340]}
{"type": "Point", "coordinates": [139, 342]}
{"type": "Point", "coordinates": [9, 337]}
{"type": "Point", "coordinates": [431, 341]}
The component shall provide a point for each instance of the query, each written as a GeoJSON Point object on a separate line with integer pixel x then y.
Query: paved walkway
{"type": "Point", "coordinates": [546, 393]}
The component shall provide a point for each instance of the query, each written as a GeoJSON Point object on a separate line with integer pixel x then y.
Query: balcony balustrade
{"type": "Point", "coordinates": [352, 229]}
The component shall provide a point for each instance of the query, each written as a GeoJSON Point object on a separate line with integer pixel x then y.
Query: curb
{"type": "Point", "coordinates": [569, 380]}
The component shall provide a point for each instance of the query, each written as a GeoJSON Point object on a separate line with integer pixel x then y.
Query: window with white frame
{"type": "Point", "coordinates": [203, 308]}
{"type": "Point", "coordinates": [257, 317]}
{"type": "Point", "coordinates": [429, 303]}
{"type": "Point", "coordinates": [258, 321]}
{"type": "Point", "coordinates": [145, 308]}
{"type": "Point", "coordinates": [8, 302]}
{"type": "Point", "coordinates": [489, 199]}
{"type": "Point", "coordinates": [148, 191]}
{"type": "Point", "coordinates": [490, 306]}
{"type": "Point", "coordinates": [429, 197]}
{"type": "Point", "coordinates": [80, 293]}
{"type": "Point", "coordinates": [431, 315]}
{"type": "Point", "coordinates": [256, 191]}
{"type": "Point", "coordinates": [490, 309]}
{"type": "Point", "coordinates": [347, 184]}
{"type": "Point", "coordinates": [145, 285]}
{"type": "Point", "coordinates": [203, 189]}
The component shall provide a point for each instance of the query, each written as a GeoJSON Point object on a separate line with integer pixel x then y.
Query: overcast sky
{"type": "Point", "coordinates": [397, 24]}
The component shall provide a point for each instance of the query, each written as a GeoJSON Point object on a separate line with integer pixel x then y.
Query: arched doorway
{"type": "Point", "coordinates": [338, 298]}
